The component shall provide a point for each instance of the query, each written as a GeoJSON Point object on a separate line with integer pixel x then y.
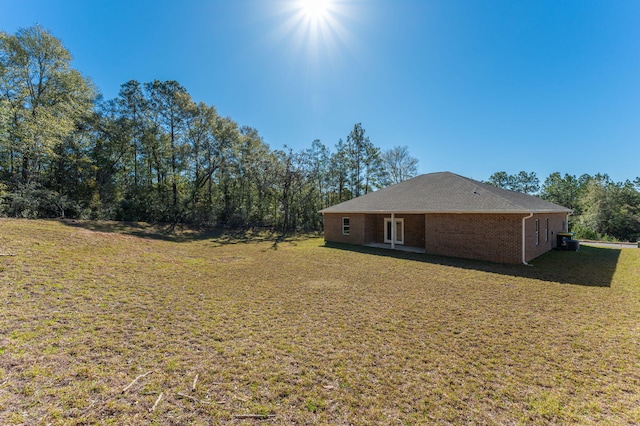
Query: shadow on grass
{"type": "Point", "coordinates": [181, 234]}
{"type": "Point", "coordinates": [591, 266]}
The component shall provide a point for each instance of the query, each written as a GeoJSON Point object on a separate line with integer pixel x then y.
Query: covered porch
{"type": "Point", "coordinates": [398, 247]}
{"type": "Point", "coordinates": [397, 231]}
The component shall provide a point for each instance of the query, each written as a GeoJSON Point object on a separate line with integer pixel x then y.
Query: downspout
{"type": "Point", "coordinates": [524, 238]}
{"type": "Point", "coordinates": [393, 231]}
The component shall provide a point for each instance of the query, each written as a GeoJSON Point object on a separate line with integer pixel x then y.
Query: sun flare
{"type": "Point", "coordinates": [316, 30]}
{"type": "Point", "coordinates": [315, 9]}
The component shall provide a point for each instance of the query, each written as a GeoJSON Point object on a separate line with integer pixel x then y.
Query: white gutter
{"type": "Point", "coordinates": [393, 231]}
{"type": "Point", "coordinates": [324, 211]}
{"type": "Point", "coordinates": [524, 241]}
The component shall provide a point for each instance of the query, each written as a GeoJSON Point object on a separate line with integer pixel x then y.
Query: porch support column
{"type": "Point", "coordinates": [393, 231]}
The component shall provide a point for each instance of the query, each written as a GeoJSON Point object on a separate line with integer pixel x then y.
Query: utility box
{"type": "Point", "coordinates": [562, 239]}
{"type": "Point", "coordinates": [573, 245]}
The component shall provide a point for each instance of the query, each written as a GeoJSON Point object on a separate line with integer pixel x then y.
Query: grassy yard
{"type": "Point", "coordinates": [243, 329]}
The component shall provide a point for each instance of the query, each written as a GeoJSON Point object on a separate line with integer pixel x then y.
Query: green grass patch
{"type": "Point", "coordinates": [308, 334]}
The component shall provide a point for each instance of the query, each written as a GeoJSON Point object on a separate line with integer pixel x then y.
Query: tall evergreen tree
{"type": "Point", "coordinates": [500, 180]}
{"type": "Point", "coordinates": [169, 103]}
{"type": "Point", "coordinates": [340, 174]}
{"type": "Point", "coordinates": [365, 164]}
{"type": "Point", "coordinates": [563, 190]}
{"type": "Point", "coordinates": [521, 182]}
{"type": "Point", "coordinates": [524, 182]}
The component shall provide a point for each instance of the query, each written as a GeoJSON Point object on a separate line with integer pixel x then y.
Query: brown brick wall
{"type": "Point", "coordinates": [373, 228]}
{"type": "Point", "coordinates": [413, 229]}
{"type": "Point", "coordinates": [492, 237]}
{"type": "Point", "coordinates": [333, 229]}
{"type": "Point", "coordinates": [555, 225]}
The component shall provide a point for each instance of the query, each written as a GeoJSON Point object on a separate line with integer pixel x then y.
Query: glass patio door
{"type": "Point", "coordinates": [389, 228]}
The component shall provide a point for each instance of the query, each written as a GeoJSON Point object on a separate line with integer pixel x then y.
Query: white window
{"type": "Point", "coordinates": [537, 232]}
{"type": "Point", "coordinates": [346, 226]}
{"type": "Point", "coordinates": [546, 230]}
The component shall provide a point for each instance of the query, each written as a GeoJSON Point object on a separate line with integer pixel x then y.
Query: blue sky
{"type": "Point", "coordinates": [470, 86]}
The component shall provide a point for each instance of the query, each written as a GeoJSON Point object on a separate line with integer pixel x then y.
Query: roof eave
{"type": "Point", "coordinates": [446, 211]}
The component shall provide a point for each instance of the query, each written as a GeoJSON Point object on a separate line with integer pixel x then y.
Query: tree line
{"type": "Point", "coordinates": [602, 209]}
{"type": "Point", "coordinates": [155, 154]}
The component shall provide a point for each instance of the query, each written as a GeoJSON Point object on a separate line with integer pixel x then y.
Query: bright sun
{"type": "Point", "coordinates": [315, 9]}
{"type": "Point", "coordinates": [315, 27]}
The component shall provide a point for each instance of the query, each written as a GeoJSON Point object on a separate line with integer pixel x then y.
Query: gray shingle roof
{"type": "Point", "coordinates": [445, 192]}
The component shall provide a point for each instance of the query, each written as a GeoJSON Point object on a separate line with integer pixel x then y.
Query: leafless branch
{"type": "Point", "coordinates": [135, 380]}
{"type": "Point", "coordinates": [157, 402]}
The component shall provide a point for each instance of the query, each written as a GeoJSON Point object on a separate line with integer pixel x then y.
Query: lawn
{"type": "Point", "coordinates": [130, 324]}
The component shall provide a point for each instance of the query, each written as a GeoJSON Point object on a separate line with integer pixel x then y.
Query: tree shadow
{"type": "Point", "coordinates": [591, 266]}
{"type": "Point", "coordinates": [182, 233]}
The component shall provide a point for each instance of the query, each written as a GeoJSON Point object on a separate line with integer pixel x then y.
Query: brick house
{"type": "Point", "coordinates": [449, 215]}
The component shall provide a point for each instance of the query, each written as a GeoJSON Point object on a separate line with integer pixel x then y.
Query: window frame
{"type": "Point", "coordinates": [346, 225]}
{"type": "Point", "coordinates": [546, 230]}
{"type": "Point", "coordinates": [537, 231]}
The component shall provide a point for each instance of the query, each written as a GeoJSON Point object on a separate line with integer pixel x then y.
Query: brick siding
{"type": "Point", "coordinates": [333, 229]}
{"type": "Point", "coordinates": [556, 223]}
{"type": "Point", "coordinates": [490, 237]}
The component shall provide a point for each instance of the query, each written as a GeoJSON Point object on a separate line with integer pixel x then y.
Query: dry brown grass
{"type": "Point", "coordinates": [301, 333]}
